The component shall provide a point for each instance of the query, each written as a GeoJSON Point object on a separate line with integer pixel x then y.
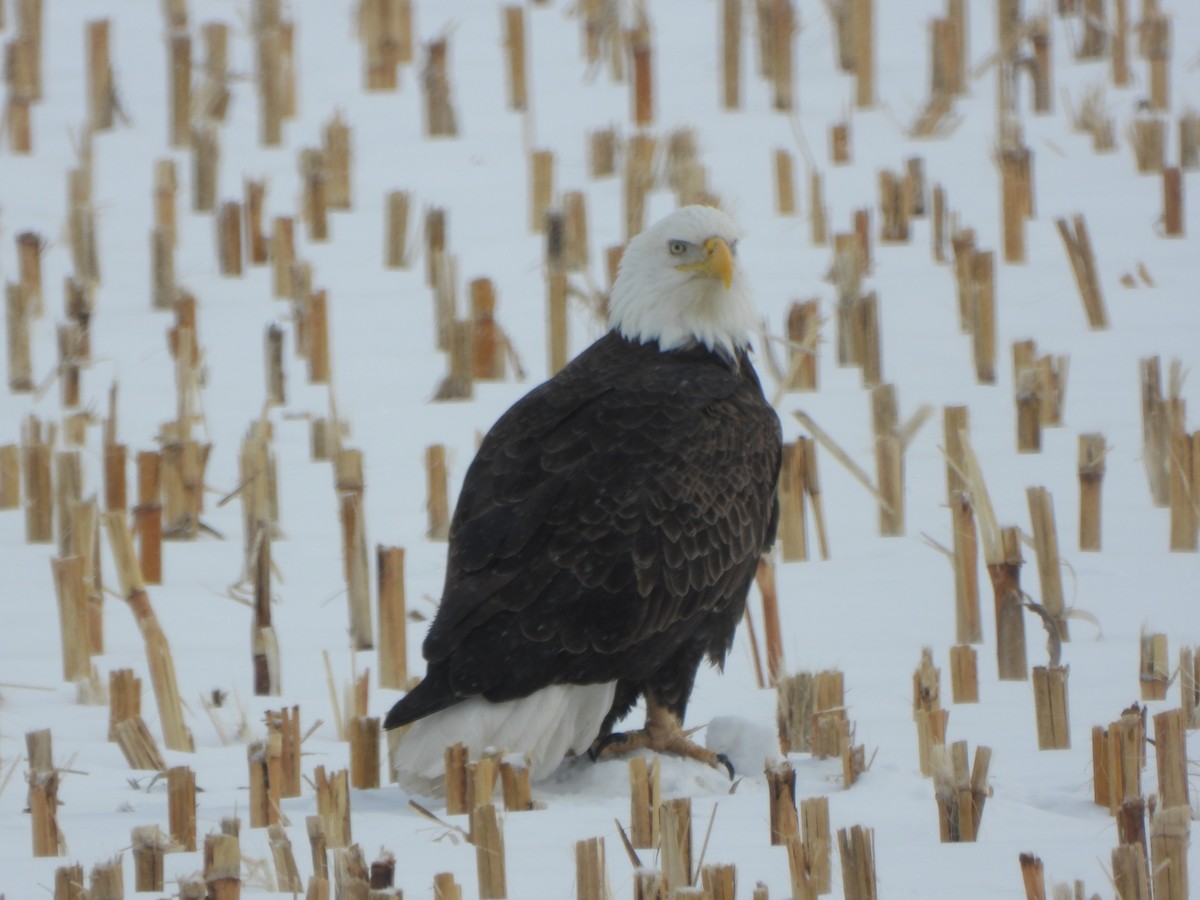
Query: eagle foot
{"type": "Point", "coordinates": [670, 740]}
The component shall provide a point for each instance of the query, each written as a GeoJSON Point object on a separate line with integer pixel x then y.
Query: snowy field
{"type": "Point", "coordinates": [868, 610]}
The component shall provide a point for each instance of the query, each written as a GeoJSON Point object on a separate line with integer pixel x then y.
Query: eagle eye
{"type": "Point", "coordinates": [677, 247]}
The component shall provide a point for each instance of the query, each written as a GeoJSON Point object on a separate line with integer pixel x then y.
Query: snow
{"type": "Point", "coordinates": [867, 611]}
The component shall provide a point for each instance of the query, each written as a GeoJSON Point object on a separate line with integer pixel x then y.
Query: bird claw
{"type": "Point", "coordinates": [610, 744]}
{"type": "Point", "coordinates": [727, 763]}
{"type": "Point", "coordinates": [603, 743]}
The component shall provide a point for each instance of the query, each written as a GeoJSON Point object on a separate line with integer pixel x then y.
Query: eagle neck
{"type": "Point", "coordinates": [735, 360]}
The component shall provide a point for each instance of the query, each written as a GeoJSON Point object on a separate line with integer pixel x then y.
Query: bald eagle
{"type": "Point", "coordinates": [609, 528]}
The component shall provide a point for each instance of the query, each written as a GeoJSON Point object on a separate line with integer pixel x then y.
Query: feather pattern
{"type": "Point", "coordinates": [639, 535]}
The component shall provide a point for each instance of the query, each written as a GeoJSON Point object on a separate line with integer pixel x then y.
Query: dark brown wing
{"type": "Point", "coordinates": [606, 516]}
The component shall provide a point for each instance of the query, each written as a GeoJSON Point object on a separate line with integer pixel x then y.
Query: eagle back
{"type": "Point", "coordinates": [623, 499]}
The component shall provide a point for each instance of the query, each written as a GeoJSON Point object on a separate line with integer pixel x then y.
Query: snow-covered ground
{"type": "Point", "coordinates": [868, 610]}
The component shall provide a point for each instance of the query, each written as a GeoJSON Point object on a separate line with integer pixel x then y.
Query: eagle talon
{"type": "Point", "coordinates": [603, 743]}
{"type": "Point", "coordinates": [662, 734]}
{"type": "Point", "coordinates": [727, 763]}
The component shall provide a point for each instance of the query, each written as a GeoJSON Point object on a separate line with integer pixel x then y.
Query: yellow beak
{"type": "Point", "coordinates": [717, 262]}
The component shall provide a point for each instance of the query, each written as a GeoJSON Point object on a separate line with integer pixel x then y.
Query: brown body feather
{"type": "Point", "coordinates": [608, 530]}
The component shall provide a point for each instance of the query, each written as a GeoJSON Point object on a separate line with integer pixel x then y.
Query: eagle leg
{"type": "Point", "coordinates": [662, 734]}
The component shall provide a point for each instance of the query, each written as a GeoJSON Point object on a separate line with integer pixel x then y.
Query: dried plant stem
{"type": "Point", "coordinates": [158, 651]}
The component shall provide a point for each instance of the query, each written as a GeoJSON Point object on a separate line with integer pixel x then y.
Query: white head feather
{"type": "Point", "coordinates": [655, 299]}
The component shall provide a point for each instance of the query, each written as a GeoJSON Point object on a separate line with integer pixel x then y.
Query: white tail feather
{"type": "Point", "coordinates": [545, 726]}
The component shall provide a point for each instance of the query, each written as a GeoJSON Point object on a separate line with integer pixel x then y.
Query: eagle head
{"type": "Point", "coordinates": [680, 283]}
